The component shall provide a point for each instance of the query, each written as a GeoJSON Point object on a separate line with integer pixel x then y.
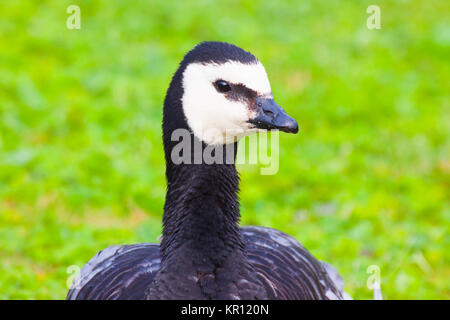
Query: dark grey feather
{"type": "Point", "coordinates": [282, 264]}
{"type": "Point", "coordinates": [117, 272]}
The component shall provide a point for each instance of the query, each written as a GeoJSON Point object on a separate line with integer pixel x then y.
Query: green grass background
{"type": "Point", "coordinates": [366, 182]}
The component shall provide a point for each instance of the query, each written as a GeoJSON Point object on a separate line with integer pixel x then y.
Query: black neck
{"type": "Point", "coordinates": [201, 212]}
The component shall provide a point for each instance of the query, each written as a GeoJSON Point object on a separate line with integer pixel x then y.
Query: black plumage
{"type": "Point", "coordinates": [284, 267]}
{"type": "Point", "coordinates": [204, 254]}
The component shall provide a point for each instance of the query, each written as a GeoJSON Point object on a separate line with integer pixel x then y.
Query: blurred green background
{"type": "Point", "coordinates": [366, 182]}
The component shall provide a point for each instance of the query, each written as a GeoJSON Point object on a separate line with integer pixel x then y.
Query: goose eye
{"type": "Point", "coordinates": [222, 86]}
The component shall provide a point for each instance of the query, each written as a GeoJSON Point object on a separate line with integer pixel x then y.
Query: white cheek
{"type": "Point", "coordinates": [212, 117]}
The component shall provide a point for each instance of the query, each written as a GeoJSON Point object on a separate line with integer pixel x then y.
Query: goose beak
{"type": "Point", "coordinates": [270, 116]}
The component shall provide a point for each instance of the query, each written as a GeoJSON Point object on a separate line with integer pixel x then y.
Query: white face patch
{"type": "Point", "coordinates": [213, 117]}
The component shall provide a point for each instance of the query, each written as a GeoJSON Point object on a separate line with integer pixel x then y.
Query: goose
{"type": "Point", "coordinates": [219, 94]}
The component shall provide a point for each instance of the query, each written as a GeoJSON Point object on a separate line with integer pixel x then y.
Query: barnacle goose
{"type": "Point", "coordinates": [219, 94]}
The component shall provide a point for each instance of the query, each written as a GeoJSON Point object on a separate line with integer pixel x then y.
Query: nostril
{"type": "Point", "coordinates": [269, 113]}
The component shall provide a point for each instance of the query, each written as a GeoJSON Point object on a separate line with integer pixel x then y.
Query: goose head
{"type": "Point", "coordinates": [226, 95]}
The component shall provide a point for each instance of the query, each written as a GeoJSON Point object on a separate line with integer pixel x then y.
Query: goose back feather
{"type": "Point", "coordinates": [287, 270]}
